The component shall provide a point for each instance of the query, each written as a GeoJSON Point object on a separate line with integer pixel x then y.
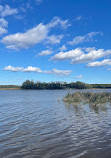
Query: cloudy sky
{"type": "Point", "coordinates": [55, 40]}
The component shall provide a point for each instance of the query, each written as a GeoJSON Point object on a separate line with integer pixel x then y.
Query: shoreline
{"type": "Point", "coordinates": [53, 89]}
{"type": "Point", "coordinates": [10, 89]}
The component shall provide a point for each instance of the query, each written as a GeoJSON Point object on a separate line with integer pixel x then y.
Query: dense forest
{"type": "Point", "coordinates": [55, 85]}
{"type": "Point", "coordinates": [61, 85]}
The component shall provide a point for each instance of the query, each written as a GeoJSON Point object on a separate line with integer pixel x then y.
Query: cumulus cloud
{"type": "Point", "coordinates": [38, 70]}
{"type": "Point", "coordinates": [45, 52]}
{"type": "Point", "coordinates": [59, 72]}
{"type": "Point", "coordinates": [63, 48]}
{"type": "Point", "coordinates": [32, 69]}
{"type": "Point", "coordinates": [67, 55]}
{"type": "Point", "coordinates": [53, 39]}
{"type": "Point", "coordinates": [85, 38]}
{"type": "Point", "coordinates": [89, 49]}
{"type": "Point", "coordinates": [100, 63]}
{"type": "Point", "coordinates": [92, 55]}
{"type": "Point", "coordinates": [35, 35]}
{"type": "Point", "coordinates": [7, 10]}
{"type": "Point", "coordinates": [11, 68]}
{"type": "Point", "coordinates": [80, 55]}
{"type": "Point", "coordinates": [27, 39]}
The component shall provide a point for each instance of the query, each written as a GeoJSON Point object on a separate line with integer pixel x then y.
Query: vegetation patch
{"type": "Point", "coordinates": [93, 99]}
{"type": "Point", "coordinates": [9, 87]}
{"type": "Point", "coordinates": [55, 85]}
{"type": "Point", "coordinates": [61, 85]}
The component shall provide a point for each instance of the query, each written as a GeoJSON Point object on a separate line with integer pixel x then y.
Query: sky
{"type": "Point", "coordinates": [55, 40]}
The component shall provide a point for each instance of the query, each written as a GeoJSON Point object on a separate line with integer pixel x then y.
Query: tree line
{"type": "Point", "coordinates": [56, 85]}
{"type": "Point", "coordinates": [61, 85]}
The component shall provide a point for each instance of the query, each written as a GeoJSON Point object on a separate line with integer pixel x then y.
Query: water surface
{"type": "Point", "coordinates": [38, 124]}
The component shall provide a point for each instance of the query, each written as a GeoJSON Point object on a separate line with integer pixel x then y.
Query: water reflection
{"type": "Point", "coordinates": [99, 108]}
{"type": "Point", "coordinates": [83, 108]}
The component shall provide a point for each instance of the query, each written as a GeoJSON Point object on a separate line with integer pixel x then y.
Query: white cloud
{"type": "Point", "coordinates": [79, 77]}
{"type": "Point", "coordinates": [63, 48]}
{"type": "Point", "coordinates": [67, 55]}
{"type": "Point", "coordinates": [56, 21]}
{"type": "Point", "coordinates": [53, 39]}
{"type": "Point", "coordinates": [12, 47]}
{"type": "Point", "coordinates": [34, 36]}
{"type": "Point", "coordinates": [79, 56]}
{"type": "Point", "coordinates": [2, 31]}
{"type": "Point", "coordinates": [92, 55]}
{"type": "Point", "coordinates": [85, 38]}
{"type": "Point", "coordinates": [100, 63]}
{"type": "Point", "coordinates": [54, 71]}
{"type": "Point", "coordinates": [11, 68]}
{"type": "Point", "coordinates": [89, 49]}
{"type": "Point", "coordinates": [61, 72]}
{"type": "Point", "coordinates": [37, 70]}
{"type": "Point", "coordinates": [45, 52]}
{"type": "Point", "coordinates": [32, 69]}
{"type": "Point", "coordinates": [7, 10]}
{"type": "Point", "coordinates": [19, 17]}
{"type": "Point", "coordinates": [3, 22]}
{"type": "Point", "coordinates": [27, 39]}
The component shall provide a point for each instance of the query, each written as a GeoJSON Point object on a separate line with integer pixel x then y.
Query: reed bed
{"type": "Point", "coordinates": [93, 99]}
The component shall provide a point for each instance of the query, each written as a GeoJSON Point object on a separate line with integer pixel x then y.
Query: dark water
{"type": "Point", "coordinates": [37, 124]}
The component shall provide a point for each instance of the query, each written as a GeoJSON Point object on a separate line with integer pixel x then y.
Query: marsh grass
{"type": "Point", "coordinates": [93, 99]}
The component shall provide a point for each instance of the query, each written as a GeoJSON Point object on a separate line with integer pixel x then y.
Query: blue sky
{"type": "Point", "coordinates": [55, 40]}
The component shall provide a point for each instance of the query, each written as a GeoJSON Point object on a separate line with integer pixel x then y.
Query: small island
{"type": "Point", "coordinates": [31, 85]}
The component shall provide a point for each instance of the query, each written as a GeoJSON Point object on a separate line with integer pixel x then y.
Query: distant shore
{"type": "Point", "coordinates": [31, 85]}
{"type": "Point", "coordinates": [10, 88]}
{"type": "Point", "coordinates": [53, 89]}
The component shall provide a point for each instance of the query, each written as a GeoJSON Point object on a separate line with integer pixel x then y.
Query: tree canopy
{"type": "Point", "coordinates": [54, 85]}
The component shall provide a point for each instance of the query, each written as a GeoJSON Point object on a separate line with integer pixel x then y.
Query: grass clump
{"type": "Point", "coordinates": [93, 99]}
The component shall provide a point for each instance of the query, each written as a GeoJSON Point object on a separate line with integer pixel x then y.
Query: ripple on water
{"type": "Point", "coordinates": [38, 124]}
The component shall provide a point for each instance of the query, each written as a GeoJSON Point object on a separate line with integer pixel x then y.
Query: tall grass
{"type": "Point", "coordinates": [93, 99]}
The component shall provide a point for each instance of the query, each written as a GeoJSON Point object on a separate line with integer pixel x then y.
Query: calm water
{"type": "Point", "coordinates": [37, 124]}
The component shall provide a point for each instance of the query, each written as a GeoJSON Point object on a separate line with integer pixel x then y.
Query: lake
{"type": "Point", "coordinates": [38, 124]}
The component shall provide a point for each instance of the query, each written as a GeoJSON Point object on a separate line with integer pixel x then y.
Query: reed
{"type": "Point", "coordinates": [93, 99]}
